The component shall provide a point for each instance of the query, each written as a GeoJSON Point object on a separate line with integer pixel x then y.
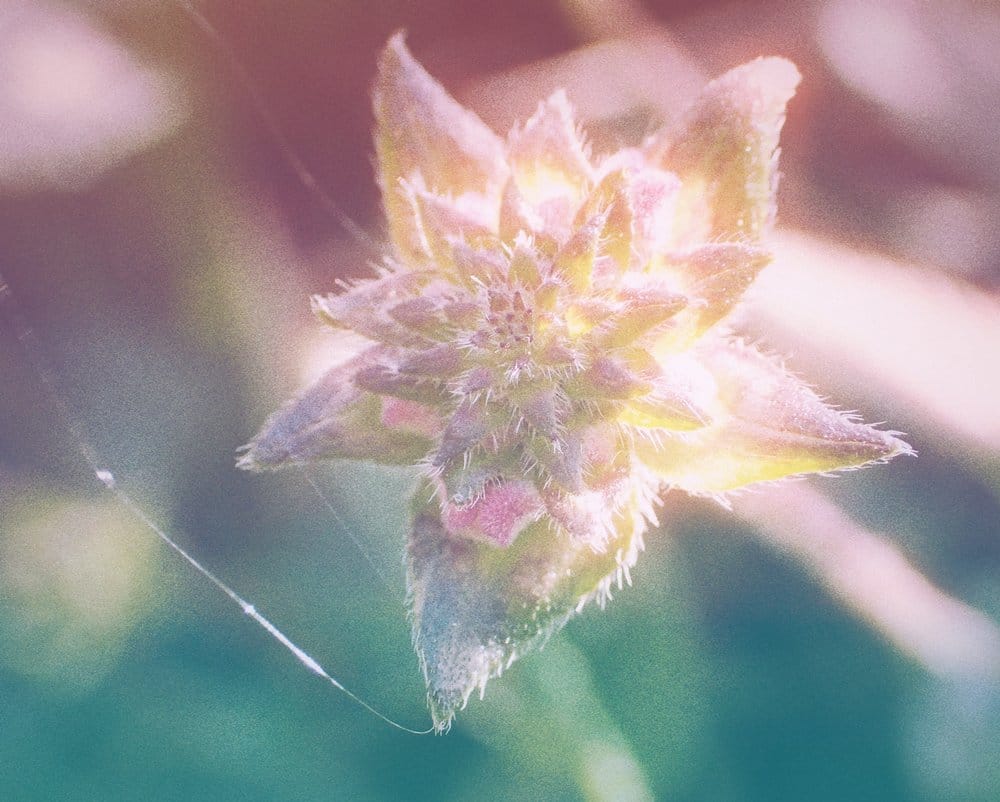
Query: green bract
{"type": "Point", "coordinates": [544, 343]}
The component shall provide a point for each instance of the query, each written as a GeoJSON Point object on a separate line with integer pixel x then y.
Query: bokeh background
{"type": "Point", "coordinates": [829, 640]}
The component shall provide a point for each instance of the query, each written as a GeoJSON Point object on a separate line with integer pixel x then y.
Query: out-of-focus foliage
{"type": "Point", "coordinates": [166, 281]}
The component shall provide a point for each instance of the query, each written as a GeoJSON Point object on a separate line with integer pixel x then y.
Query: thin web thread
{"type": "Point", "coordinates": [344, 527]}
{"type": "Point", "coordinates": [309, 181]}
{"type": "Point", "coordinates": [33, 350]}
{"type": "Point", "coordinates": [303, 173]}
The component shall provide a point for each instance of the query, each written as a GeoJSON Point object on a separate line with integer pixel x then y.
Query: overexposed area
{"type": "Point", "coordinates": [177, 179]}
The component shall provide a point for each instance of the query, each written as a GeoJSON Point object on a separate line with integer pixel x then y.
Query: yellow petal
{"type": "Point", "coordinates": [421, 130]}
{"type": "Point", "coordinates": [549, 160]}
{"type": "Point", "coordinates": [771, 426]}
{"type": "Point", "coordinates": [725, 150]}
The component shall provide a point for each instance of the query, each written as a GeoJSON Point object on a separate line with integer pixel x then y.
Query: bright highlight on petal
{"type": "Point", "coordinates": [546, 344]}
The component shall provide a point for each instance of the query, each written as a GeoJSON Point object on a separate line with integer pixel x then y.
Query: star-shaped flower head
{"type": "Point", "coordinates": [544, 342]}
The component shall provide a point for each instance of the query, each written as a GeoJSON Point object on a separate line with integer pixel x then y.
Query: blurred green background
{"type": "Point", "coordinates": [163, 250]}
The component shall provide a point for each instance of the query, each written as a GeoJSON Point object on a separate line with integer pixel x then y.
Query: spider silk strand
{"type": "Point", "coordinates": [32, 348]}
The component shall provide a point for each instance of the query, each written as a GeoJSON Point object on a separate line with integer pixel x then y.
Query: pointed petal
{"type": "Point", "coordinates": [582, 316]}
{"type": "Point", "coordinates": [642, 311]}
{"type": "Point", "coordinates": [725, 150]}
{"type": "Point", "coordinates": [680, 399]}
{"type": "Point", "coordinates": [562, 459]}
{"type": "Point", "coordinates": [668, 410]}
{"type": "Point", "coordinates": [524, 264]}
{"type": "Point", "coordinates": [549, 149]}
{"type": "Point", "coordinates": [549, 163]}
{"type": "Point", "coordinates": [335, 419]}
{"type": "Point", "coordinates": [477, 267]}
{"type": "Point", "coordinates": [424, 314]}
{"type": "Point", "coordinates": [363, 308]}
{"type": "Point", "coordinates": [613, 201]}
{"type": "Point", "coordinates": [715, 276]}
{"type": "Point", "coordinates": [468, 424]}
{"type": "Point", "coordinates": [719, 274]}
{"type": "Point", "coordinates": [544, 409]}
{"type": "Point", "coordinates": [477, 608]}
{"type": "Point", "coordinates": [637, 205]}
{"type": "Point", "coordinates": [421, 129]}
{"type": "Point", "coordinates": [443, 221]}
{"type": "Point", "coordinates": [652, 196]}
{"type": "Point", "coordinates": [440, 362]}
{"type": "Point", "coordinates": [576, 260]}
{"type": "Point", "coordinates": [770, 425]}
{"type": "Point", "coordinates": [384, 378]}
{"type": "Point", "coordinates": [608, 377]}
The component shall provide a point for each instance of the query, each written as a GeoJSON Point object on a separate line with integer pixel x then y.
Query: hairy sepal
{"type": "Point", "coordinates": [336, 419]}
{"type": "Point", "coordinates": [476, 607]}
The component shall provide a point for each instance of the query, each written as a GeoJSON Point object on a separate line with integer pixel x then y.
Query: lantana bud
{"type": "Point", "coordinates": [545, 345]}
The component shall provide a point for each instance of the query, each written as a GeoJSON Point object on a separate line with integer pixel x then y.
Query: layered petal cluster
{"type": "Point", "coordinates": [544, 343]}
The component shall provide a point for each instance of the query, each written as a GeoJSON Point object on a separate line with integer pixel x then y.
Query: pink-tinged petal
{"type": "Point", "coordinates": [334, 419]}
{"type": "Point", "coordinates": [409, 416]}
{"type": "Point", "coordinates": [384, 378]}
{"type": "Point", "coordinates": [421, 130]}
{"type": "Point", "coordinates": [364, 307]}
{"type": "Point", "coordinates": [498, 516]}
{"type": "Point", "coordinates": [725, 151]}
{"type": "Point", "coordinates": [770, 425]}
{"type": "Point", "coordinates": [652, 196]}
